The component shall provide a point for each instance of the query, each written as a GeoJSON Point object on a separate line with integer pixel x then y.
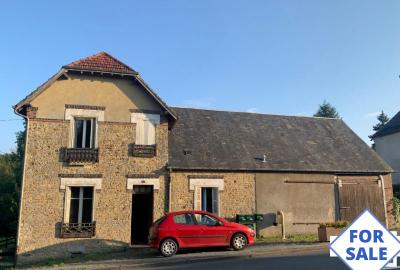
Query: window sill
{"type": "Point", "coordinates": [81, 155]}
{"type": "Point", "coordinates": [78, 230]}
{"type": "Point", "coordinates": [143, 150]}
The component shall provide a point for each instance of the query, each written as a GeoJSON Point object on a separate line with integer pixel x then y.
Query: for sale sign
{"type": "Point", "coordinates": [366, 244]}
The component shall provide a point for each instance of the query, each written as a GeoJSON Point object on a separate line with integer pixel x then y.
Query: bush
{"type": "Point", "coordinates": [396, 209]}
{"type": "Point", "coordinates": [337, 224]}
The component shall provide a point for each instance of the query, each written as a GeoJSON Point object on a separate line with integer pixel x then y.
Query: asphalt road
{"type": "Point", "coordinates": [298, 262]}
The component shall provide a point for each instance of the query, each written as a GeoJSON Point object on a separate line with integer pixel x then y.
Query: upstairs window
{"type": "Point", "coordinates": [84, 130]}
{"type": "Point", "coordinates": [145, 128]}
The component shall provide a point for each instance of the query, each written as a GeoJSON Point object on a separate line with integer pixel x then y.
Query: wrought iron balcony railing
{"type": "Point", "coordinates": [143, 150]}
{"type": "Point", "coordinates": [81, 155]}
{"type": "Point", "coordinates": [78, 230]}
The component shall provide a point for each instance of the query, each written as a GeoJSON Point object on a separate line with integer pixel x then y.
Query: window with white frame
{"type": "Point", "coordinates": [84, 132]}
{"type": "Point", "coordinates": [81, 205]}
{"type": "Point", "coordinates": [209, 199]}
{"type": "Point", "coordinates": [145, 127]}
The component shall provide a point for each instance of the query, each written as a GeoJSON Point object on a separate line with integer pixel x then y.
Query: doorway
{"type": "Point", "coordinates": [142, 214]}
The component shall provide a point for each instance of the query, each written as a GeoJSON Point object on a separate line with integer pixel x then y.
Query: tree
{"type": "Point", "coordinates": [327, 110]}
{"type": "Point", "coordinates": [11, 168]}
{"type": "Point", "coordinates": [382, 120]}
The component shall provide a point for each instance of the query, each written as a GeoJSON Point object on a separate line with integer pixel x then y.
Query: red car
{"type": "Point", "coordinates": [188, 229]}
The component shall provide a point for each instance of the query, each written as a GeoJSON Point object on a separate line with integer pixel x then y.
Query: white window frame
{"type": "Point", "coordinates": [80, 200]}
{"type": "Point", "coordinates": [146, 124]}
{"type": "Point", "coordinates": [196, 184]}
{"type": "Point", "coordinates": [66, 183]}
{"type": "Point", "coordinates": [71, 114]}
{"type": "Point", "coordinates": [212, 203]}
{"type": "Point", "coordinates": [93, 129]}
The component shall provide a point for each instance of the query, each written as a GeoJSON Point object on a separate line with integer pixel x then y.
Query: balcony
{"type": "Point", "coordinates": [143, 150]}
{"type": "Point", "coordinates": [81, 155]}
{"type": "Point", "coordinates": [78, 230]}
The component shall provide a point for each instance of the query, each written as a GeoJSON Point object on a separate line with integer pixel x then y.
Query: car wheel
{"type": "Point", "coordinates": [168, 248]}
{"type": "Point", "coordinates": [239, 241]}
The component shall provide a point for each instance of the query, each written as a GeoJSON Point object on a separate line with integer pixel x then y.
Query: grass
{"type": "Point", "coordinates": [292, 238]}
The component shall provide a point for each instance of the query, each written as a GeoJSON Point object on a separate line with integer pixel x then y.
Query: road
{"type": "Point", "coordinates": [270, 257]}
{"type": "Point", "coordinates": [298, 262]}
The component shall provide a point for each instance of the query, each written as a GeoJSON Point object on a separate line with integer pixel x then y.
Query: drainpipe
{"type": "Point", "coordinates": [22, 180]}
{"type": "Point", "coordinates": [280, 212]}
{"type": "Point", "coordinates": [169, 190]}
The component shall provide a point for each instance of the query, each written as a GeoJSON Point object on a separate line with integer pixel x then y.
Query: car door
{"type": "Point", "coordinates": [186, 230]}
{"type": "Point", "coordinates": [212, 231]}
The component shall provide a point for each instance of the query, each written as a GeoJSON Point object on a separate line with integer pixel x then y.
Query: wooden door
{"type": "Point", "coordinates": [356, 194]}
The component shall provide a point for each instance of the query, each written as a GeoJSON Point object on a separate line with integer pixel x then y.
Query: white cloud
{"type": "Point", "coordinates": [252, 110]}
{"type": "Point", "coordinates": [371, 114]}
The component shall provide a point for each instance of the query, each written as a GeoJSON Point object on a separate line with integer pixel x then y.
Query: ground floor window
{"type": "Point", "coordinates": [81, 205]}
{"type": "Point", "coordinates": [209, 199]}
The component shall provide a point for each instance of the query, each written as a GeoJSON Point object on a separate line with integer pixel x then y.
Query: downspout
{"type": "Point", "coordinates": [384, 200]}
{"type": "Point", "coordinates": [169, 190]}
{"type": "Point", "coordinates": [22, 180]}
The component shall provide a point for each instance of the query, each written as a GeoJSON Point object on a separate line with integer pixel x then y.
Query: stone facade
{"type": "Point", "coordinates": [112, 100]}
{"type": "Point", "coordinates": [238, 196]}
{"type": "Point", "coordinates": [42, 207]}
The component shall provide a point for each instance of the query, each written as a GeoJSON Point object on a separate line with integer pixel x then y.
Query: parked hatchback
{"type": "Point", "coordinates": [189, 229]}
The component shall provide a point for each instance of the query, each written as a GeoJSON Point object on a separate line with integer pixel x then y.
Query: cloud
{"type": "Point", "coordinates": [371, 114]}
{"type": "Point", "coordinates": [252, 110]}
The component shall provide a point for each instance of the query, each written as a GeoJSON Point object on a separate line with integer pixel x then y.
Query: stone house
{"type": "Point", "coordinates": [105, 157]}
{"type": "Point", "coordinates": [387, 145]}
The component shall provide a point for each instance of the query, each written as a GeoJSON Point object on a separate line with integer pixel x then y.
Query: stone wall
{"type": "Point", "coordinates": [42, 207]}
{"type": "Point", "coordinates": [238, 196]}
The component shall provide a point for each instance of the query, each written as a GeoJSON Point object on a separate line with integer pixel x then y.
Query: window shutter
{"type": "Point", "coordinates": [145, 128]}
{"type": "Point", "coordinates": [215, 205]}
{"type": "Point", "coordinates": [197, 198]}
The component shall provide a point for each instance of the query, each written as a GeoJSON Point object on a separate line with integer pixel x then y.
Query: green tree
{"type": "Point", "coordinates": [11, 168]}
{"type": "Point", "coordinates": [327, 110]}
{"type": "Point", "coordinates": [382, 120]}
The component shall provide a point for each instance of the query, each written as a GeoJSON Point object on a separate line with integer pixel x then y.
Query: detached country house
{"type": "Point", "coordinates": [387, 145]}
{"type": "Point", "coordinates": [105, 156]}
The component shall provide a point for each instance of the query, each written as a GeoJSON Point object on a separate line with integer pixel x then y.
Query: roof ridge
{"type": "Point", "coordinates": [96, 63]}
{"type": "Point", "coordinates": [258, 113]}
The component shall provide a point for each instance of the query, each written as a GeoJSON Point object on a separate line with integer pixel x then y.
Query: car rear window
{"type": "Point", "coordinates": [160, 220]}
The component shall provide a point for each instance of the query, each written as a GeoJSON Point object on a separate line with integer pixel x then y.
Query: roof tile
{"type": "Point", "coordinates": [101, 62]}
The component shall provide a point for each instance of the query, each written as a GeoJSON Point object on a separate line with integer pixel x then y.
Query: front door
{"type": "Point", "coordinates": [142, 214]}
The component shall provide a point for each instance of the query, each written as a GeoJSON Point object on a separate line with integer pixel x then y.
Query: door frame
{"type": "Point", "coordinates": [131, 209]}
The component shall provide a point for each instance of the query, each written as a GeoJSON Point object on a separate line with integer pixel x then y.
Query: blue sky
{"type": "Point", "coordinates": [279, 57]}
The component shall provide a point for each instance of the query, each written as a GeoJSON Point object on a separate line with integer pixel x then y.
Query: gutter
{"type": "Point", "coordinates": [22, 180]}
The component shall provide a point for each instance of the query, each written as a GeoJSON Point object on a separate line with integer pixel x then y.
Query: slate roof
{"type": "Point", "coordinates": [393, 126]}
{"type": "Point", "coordinates": [221, 140]}
{"type": "Point", "coordinates": [101, 62]}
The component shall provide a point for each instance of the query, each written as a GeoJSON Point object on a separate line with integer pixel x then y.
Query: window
{"type": "Point", "coordinates": [84, 131]}
{"type": "Point", "coordinates": [145, 128]}
{"type": "Point", "coordinates": [184, 219]}
{"type": "Point", "coordinates": [203, 219]}
{"type": "Point", "coordinates": [209, 199]}
{"type": "Point", "coordinates": [81, 205]}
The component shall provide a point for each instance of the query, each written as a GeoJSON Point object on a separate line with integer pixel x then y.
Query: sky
{"type": "Point", "coordinates": [276, 57]}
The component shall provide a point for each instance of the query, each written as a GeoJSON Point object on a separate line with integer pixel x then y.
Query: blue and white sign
{"type": "Point", "coordinates": [366, 244]}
